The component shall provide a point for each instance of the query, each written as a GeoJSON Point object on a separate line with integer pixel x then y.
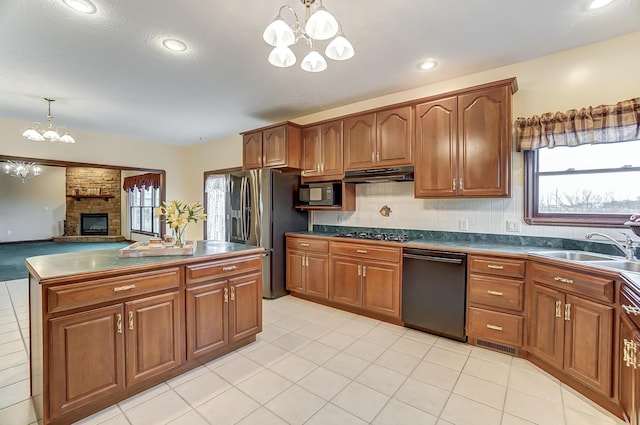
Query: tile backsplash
{"type": "Point", "coordinates": [455, 215]}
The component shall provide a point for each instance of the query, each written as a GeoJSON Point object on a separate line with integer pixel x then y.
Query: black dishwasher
{"type": "Point", "coordinates": [434, 291]}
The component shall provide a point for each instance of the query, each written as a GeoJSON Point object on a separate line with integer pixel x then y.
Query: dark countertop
{"type": "Point", "coordinates": [47, 267]}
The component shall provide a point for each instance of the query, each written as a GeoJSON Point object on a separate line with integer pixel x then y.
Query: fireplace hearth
{"type": "Point", "coordinates": [94, 224]}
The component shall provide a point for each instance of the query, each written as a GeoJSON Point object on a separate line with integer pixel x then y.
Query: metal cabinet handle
{"type": "Point", "coordinates": [131, 320]}
{"type": "Point", "coordinates": [364, 271]}
{"type": "Point", "coordinates": [306, 261]}
{"type": "Point", "coordinates": [563, 280]}
{"type": "Point", "coordinates": [264, 159]}
{"type": "Point", "coordinates": [567, 311]}
{"type": "Point", "coordinates": [495, 267]}
{"type": "Point", "coordinates": [496, 293]}
{"type": "Point", "coordinates": [229, 268]}
{"type": "Point", "coordinates": [304, 244]}
{"type": "Point", "coordinates": [302, 261]}
{"type": "Point", "coordinates": [494, 327]}
{"type": "Point", "coordinates": [373, 156]}
{"type": "Point", "coordinates": [558, 308]}
{"type": "Point", "coordinates": [461, 184]}
{"type": "Point", "coordinates": [226, 295]}
{"type": "Point", "coordinates": [359, 270]}
{"type": "Point", "coordinates": [454, 185]}
{"type": "Point", "coordinates": [629, 356]}
{"type": "Point", "coordinates": [124, 288]}
{"type": "Point", "coordinates": [631, 309]}
{"type": "Point", "coordinates": [233, 293]}
{"type": "Point", "coordinates": [377, 156]}
{"type": "Point", "coordinates": [119, 323]}
{"type": "Point", "coordinates": [361, 251]}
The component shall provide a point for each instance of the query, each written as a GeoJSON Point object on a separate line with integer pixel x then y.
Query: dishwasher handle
{"type": "Point", "coordinates": [432, 258]}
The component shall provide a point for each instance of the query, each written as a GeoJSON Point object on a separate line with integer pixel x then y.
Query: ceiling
{"type": "Point", "coordinates": [110, 74]}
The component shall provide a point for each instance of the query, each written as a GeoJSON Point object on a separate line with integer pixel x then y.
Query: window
{"type": "Point", "coordinates": [590, 184]}
{"type": "Point", "coordinates": [216, 195]}
{"type": "Point", "coordinates": [142, 203]}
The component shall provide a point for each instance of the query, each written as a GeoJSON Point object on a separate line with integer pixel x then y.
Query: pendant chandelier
{"type": "Point", "coordinates": [53, 134]}
{"type": "Point", "coordinates": [22, 170]}
{"type": "Point", "coordinates": [318, 25]}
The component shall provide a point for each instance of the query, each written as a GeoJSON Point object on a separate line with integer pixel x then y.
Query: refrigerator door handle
{"type": "Point", "coordinates": [243, 209]}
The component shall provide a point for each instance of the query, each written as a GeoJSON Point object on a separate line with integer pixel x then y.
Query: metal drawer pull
{"type": "Point", "coordinates": [631, 309]}
{"type": "Point", "coordinates": [124, 288]}
{"type": "Point", "coordinates": [493, 266]}
{"type": "Point", "coordinates": [558, 308]}
{"type": "Point", "coordinates": [498, 293]}
{"type": "Point", "coordinates": [567, 312]}
{"type": "Point", "coordinates": [119, 323]}
{"type": "Point", "coordinates": [233, 293]}
{"type": "Point", "coordinates": [629, 356]}
{"type": "Point", "coordinates": [304, 244]}
{"type": "Point", "coordinates": [226, 295]}
{"type": "Point", "coordinates": [361, 251]}
{"type": "Point", "coordinates": [495, 328]}
{"type": "Point", "coordinates": [563, 280]}
{"type": "Point", "coordinates": [359, 270]}
{"type": "Point", "coordinates": [229, 268]}
{"type": "Point", "coordinates": [131, 320]}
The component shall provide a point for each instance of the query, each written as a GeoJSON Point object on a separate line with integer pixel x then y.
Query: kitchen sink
{"type": "Point", "coordinates": [630, 266]}
{"type": "Point", "coordinates": [577, 256]}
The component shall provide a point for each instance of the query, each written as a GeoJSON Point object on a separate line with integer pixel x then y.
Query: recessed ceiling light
{"type": "Point", "coordinates": [597, 4]}
{"type": "Point", "coordinates": [82, 6]}
{"type": "Point", "coordinates": [427, 64]}
{"type": "Point", "coordinates": [174, 45]}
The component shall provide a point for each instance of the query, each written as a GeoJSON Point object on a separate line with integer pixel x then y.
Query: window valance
{"type": "Point", "coordinates": [593, 124]}
{"type": "Point", "coordinates": [140, 181]}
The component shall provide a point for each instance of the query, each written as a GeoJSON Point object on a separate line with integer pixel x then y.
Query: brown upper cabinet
{"type": "Point", "coordinates": [379, 139]}
{"type": "Point", "coordinates": [277, 146]}
{"type": "Point", "coordinates": [463, 143]}
{"type": "Point", "coordinates": [322, 152]}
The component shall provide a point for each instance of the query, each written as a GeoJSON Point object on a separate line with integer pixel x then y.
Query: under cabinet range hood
{"type": "Point", "coordinates": [377, 175]}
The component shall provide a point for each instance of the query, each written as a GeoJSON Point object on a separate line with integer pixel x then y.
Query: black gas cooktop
{"type": "Point", "coordinates": [374, 236]}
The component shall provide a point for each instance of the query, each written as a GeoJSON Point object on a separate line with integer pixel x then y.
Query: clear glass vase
{"type": "Point", "coordinates": [178, 236]}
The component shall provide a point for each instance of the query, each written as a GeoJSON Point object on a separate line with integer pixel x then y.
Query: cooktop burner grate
{"type": "Point", "coordinates": [374, 236]}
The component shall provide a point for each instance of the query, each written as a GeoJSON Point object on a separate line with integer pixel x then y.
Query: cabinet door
{"type": "Point", "coordinates": [311, 151]}
{"type": "Point", "coordinates": [484, 140]}
{"type": "Point", "coordinates": [206, 318]}
{"type": "Point", "coordinates": [245, 306]}
{"type": "Point", "coordinates": [332, 149]}
{"type": "Point", "coordinates": [345, 285]}
{"type": "Point", "coordinates": [436, 166]}
{"type": "Point", "coordinates": [274, 147]}
{"type": "Point", "coordinates": [360, 142]}
{"type": "Point", "coordinates": [252, 151]}
{"type": "Point", "coordinates": [317, 275]}
{"type": "Point", "coordinates": [153, 336]}
{"type": "Point", "coordinates": [394, 133]}
{"type": "Point", "coordinates": [589, 342]}
{"type": "Point", "coordinates": [628, 375]}
{"type": "Point", "coordinates": [381, 288]}
{"type": "Point", "coordinates": [87, 363]}
{"type": "Point", "coordinates": [546, 324]}
{"type": "Point", "coordinates": [295, 270]}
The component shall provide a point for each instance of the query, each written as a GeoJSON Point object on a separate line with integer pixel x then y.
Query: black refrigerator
{"type": "Point", "coordinates": [259, 210]}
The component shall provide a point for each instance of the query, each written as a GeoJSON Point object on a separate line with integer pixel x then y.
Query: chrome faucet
{"type": "Point", "coordinates": [627, 249]}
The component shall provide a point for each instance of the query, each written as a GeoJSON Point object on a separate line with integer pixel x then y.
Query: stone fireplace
{"type": "Point", "coordinates": [94, 224]}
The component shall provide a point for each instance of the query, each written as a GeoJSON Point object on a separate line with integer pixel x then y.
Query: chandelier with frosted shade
{"type": "Point", "coordinates": [319, 25]}
{"type": "Point", "coordinates": [22, 170]}
{"type": "Point", "coordinates": [40, 133]}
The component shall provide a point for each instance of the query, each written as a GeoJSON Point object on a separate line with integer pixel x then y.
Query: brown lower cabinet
{"type": "Point", "coordinates": [570, 332]}
{"type": "Point", "coordinates": [308, 267]}
{"type": "Point", "coordinates": [628, 351]}
{"type": "Point", "coordinates": [100, 338]}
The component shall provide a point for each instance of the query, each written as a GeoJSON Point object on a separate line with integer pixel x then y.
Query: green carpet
{"type": "Point", "coordinates": [12, 255]}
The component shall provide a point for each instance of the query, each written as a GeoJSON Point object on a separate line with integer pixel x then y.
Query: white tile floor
{"type": "Point", "coordinates": [315, 365]}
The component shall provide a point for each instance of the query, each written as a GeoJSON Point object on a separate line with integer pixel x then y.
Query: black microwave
{"type": "Point", "coordinates": [320, 194]}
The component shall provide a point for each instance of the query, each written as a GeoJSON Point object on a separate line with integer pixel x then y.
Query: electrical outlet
{"type": "Point", "coordinates": [513, 226]}
{"type": "Point", "coordinates": [9, 232]}
{"type": "Point", "coordinates": [463, 225]}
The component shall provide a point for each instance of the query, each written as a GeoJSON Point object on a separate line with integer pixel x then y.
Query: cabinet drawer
{"type": "Point", "coordinates": [575, 282]}
{"type": "Point", "coordinates": [497, 266]}
{"type": "Point", "coordinates": [367, 251]}
{"type": "Point", "coordinates": [222, 268]}
{"type": "Point", "coordinates": [67, 297]}
{"type": "Point", "coordinates": [496, 292]}
{"type": "Point", "coordinates": [493, 326]}
{"type": "Point", "coordinates": [630, 306]}
{"type": "Point", "coordinates": [308, 244]}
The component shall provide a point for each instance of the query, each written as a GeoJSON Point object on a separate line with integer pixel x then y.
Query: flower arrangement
{"type": "Point", "coordinates": [178, 214]}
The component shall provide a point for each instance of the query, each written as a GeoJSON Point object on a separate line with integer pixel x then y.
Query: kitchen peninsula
{"type": "Point", "coordinates": [104, 328]}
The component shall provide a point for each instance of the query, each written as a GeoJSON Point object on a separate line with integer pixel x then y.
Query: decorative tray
{"type": "Point", "coordinates": [143, 249]}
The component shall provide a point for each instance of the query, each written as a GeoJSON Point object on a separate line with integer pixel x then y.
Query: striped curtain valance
{"type": "Point", "coordinates": [593, 124]}
{"type": "Point", "coordinates": [140, 181]}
